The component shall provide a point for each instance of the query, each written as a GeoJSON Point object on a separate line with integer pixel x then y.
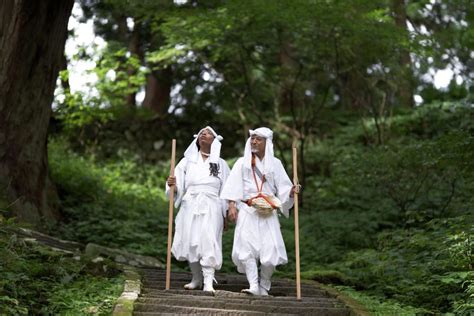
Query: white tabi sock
{"type": "Point", "coordinates": [208, 274]}
{"type": "Point", "coordinates": [251, 272]}
{"type": "Point", "coordinates": [196, 282]}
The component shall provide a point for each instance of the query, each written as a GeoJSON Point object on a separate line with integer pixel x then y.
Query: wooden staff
{"type": "Point", "coordinates": [170, 216]}
{"type": "Point", "coordinates": [297, 229]}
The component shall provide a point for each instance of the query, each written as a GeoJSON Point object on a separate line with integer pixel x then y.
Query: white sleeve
{"type": "Point", "coordinates": [234, 186]}
{"type": "Point", "coordinates": [283, 185]}
{"type": "Point", "coordinates": [180, 174]}
{"type": "Point", "coordinates": [224, 167]}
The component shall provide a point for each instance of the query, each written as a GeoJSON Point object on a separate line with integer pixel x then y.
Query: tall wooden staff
{"type": "Point", "coordinates": [170, 216]}
{"type": "Point", "coordinates": [297, 229]}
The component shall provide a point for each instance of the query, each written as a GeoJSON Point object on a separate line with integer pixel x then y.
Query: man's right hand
{"type": "Point", "coordinates": [232, 212]}
{"type": "Point", "coordinates": [171, 181]}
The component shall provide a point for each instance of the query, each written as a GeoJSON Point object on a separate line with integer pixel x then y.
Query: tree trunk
{"type": "Point", "coordinates": [405, 86]}
{"type": "Point", "coordinates": [289, 75]}
{"type": "Point", "coordinates": [158, 89]}
{"type": "Point", "coordinates": [32, 38]}
{"type": "Point", "coordinates": [131, 40]}
{"type": "Point", "coordinates": [134, 49]}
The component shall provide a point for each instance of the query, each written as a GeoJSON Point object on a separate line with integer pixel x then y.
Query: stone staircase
{"type": "Point", "coordinates": [145, 294]}
{"type": "Point", "coordinates": [228, 300]}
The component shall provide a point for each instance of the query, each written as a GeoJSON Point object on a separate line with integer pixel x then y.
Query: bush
{"type": "Point", "coordinates": [38, 281]}
{"type": "Point", "coordinates": [116, 204]}
{"type": "Point", "coordinates": [395, 220]}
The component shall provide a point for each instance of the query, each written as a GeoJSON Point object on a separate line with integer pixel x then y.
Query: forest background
{"type": "Point", "coordinates": [386, 157]}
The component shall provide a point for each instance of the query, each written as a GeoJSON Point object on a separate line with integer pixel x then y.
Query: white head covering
{"type": "Point", "coordinates": [266, 133]}
{"type": "Point", "coordinates": [192, 153]}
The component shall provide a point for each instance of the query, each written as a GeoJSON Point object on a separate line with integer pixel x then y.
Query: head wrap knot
{"type": "Point", "coordinates": [192, 152]}
{"type": "Point", "coordinates": [268, 160]}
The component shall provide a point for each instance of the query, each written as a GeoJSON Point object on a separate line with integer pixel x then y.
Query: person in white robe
{"type": "Point", "coordinates": [257, 189]}
{"type": "Point", "coordinates": [198, 181]}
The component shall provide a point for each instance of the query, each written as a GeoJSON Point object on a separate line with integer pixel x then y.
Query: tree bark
{"type": "Point", "coordinates": [131, 40]}
{"type": "Point", "coordinates": [158, 89]}
{"type": "Point", "coordinates": [32, 39]}
{"type": "Point", "coordinates": [405, 86]}
{"type": "Point", "coordinates": [134, 49]}
{"type": "Point", "coordinates": [289, 74]}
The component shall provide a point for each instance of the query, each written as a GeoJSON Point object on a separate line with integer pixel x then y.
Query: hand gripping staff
{"type": "Point", "coordinates": [170, 216]}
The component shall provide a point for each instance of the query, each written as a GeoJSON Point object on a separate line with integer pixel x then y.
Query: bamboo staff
{"type": "Point", "coordinates": [297, 229]}
{"type": "Point", "coordinates": [170, 216]}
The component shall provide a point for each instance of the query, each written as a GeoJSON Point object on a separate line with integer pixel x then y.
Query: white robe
{"type": "Point", "coordinates": [255, 236]}
{"type": "Point", "coordinates": [200, 219]}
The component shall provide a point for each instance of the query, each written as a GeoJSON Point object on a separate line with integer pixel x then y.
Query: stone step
{"type": "Point", "coordinates": [201, 295]}
{"type": "Point", "coordinates": [155, 292]}
{"type": "Point", "coordinates": [57, 245]}
{"type": "Point", "coordinates": [275, 290]}
{"type": "Point", "coordinates": [202, 301]}
{"type": "Point", "coordinates": [209, 304]}
{"type": "Point", "coordinates": [161, 274]}
{"type": "Point", "coordinates": [151, 271]}
{"type": "Point", "coordinates": [280, 292]}
{"type": "Point", "coordinates": [34, 236]}
{"type": "Point", "coordinates": [227, 312]}
{"type": "Point", "coordinates": [228, 299]}
{"type": "Point", "coordinates": [158, 310]}
{"type": "Point", "coordinates": [243, 285]}
{"type": "Point", "coordinates": [180, 282]}
{"type": "Point", "coordinates": [188, 276]}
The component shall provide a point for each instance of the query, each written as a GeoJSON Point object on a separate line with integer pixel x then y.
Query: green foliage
{"type": "Point", "coordinates": [438, 35]}
{"type": "Point", "coordinates": [394, 220]}
{"type": "Point", "coordinates": [119, 74]}
{"type": "Point", "coordinates": [86, 295]}
{"type": "Point", "coordinates": [265, 51]}
{"type": "Point", "coordinates": [323, 275]}
{"type": "Point", "coordinates": [380, 306]}
{"type": "Point", "coordinates": [282, 63]}
{"type": "Point", "coordinates": [117, 204]}
{"type": "Point", "coordinates": [427, 266]}
{"type": "Point", "coordinates": [75, 113]}
{"type": "Point", "coordinates": [78, 116]}
{"type": "Point", "coordinates": [36, 280]}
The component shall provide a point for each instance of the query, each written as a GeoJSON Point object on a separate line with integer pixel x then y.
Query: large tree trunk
{"type": "Point", "coordinates": [134, 49]}
{"type": "Point", "coordinates": [158, 89]}
{"type": "Point", "coordinates": [32, 38]}
{"type": "Point", "coordinates": [132, 40]}
{"type": "Point", "coordinates": [405, 86]}
{"type": "Point", "coordinates": [289, 76]}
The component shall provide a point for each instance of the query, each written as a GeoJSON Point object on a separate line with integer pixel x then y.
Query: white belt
{"type": "Point", "coordinates": [202, 198]}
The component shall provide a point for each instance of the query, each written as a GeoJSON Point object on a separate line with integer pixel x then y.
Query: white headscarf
{"type": "Point", "coordinates": [192, 153]}
{"type": "Point", "coordinates": [266, 133]}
